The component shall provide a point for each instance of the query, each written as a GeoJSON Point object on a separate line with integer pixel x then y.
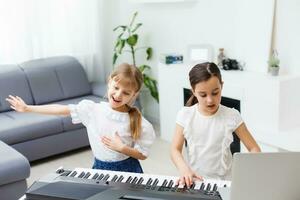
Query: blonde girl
{"type": "Point", "coordinates": [118, 134]}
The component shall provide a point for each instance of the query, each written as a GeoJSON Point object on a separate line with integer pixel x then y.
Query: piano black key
{"type": "Point", "coordinates": [155, 183]}
{"type": "Point", "coordinates": [208, 186]}
{"type": "Point", "coordinates": [149, 182]}
{"type": "Point", "coordinates": [73, 174]}
{"type": "Point", "coordinates": [114, 178]}
{"type": "Point", "coordinates": [120, 178]}
{"type": "Point", "coordinates": [140, 181]}
{"type": "Point", "coordinates": [100, 176]}
{"type": "Point", "coordinates": [192, 186]}
{"type": "Point", "coordinates": [135, 179]}
{"type": "Point", "coordinates": [171, 183]}
{"type": "Point", "coordinates": [66, 173]}
{"type": "Point", "coordinates": [106, 177]}
{"type": "Point", "coordinates": [87, 175]}
{"type": "Point", "coordinates": [202, 186]}
{"type": "Point", "coordinates": [129, 179]}
{"type": "Point", "coordinates": [81, 175]}
{"type": "Point", "coordinates": [95, 176]}
{"type": "Point", "coordinates": [215, 187]}
{"type": "Point", "coordinates": [165, 182]}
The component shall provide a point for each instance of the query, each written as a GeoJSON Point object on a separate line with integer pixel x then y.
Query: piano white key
{"type": "Point", "coordinates": [221, 183]}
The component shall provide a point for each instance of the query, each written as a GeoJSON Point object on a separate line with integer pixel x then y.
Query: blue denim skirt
{"type": "Point", "coordinates": [128, 165]}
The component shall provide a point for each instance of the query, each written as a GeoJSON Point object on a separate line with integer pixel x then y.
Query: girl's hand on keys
{"type": "Point", "coordinates": [188, 177]}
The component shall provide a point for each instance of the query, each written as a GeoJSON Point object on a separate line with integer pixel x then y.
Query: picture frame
{"type": "Point", "coordinates": [200, 53]}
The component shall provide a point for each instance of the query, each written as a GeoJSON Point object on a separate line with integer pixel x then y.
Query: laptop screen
{"type": "Point", "coordinates": [266, 176]}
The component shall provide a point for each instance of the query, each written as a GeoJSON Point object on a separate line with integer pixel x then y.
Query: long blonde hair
{"type": "Point", "coordinates": [131, 76]}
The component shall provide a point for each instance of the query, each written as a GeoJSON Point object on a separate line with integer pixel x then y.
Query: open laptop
{"type": "Point", "coordinates": [264, 176]}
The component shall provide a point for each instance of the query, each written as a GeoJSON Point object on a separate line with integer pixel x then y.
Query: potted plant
{"type": "Point", "coordinates": [274, 63]}
{"type": "Point", "coordinates": [127, 42]}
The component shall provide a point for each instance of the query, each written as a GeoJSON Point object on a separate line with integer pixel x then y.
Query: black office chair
{"type": "Point", "coordinates": [235, 146]}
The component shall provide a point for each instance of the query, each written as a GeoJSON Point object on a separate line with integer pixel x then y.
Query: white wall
{"type": "Point", "coordinates": [242, 27]}
{"type": "Point", "coordinates": [287, 40]}
{"type": "Point", "coordinates": [171, 27]}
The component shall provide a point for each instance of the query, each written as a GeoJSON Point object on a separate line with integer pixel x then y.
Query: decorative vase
{"type": "Point", "coordinates": [274, 71]}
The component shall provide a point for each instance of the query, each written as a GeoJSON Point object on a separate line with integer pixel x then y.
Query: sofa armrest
{"type": "Point", "coordinates": [13, 165]}
{"type": "Point", "coordinates": [99, 88]}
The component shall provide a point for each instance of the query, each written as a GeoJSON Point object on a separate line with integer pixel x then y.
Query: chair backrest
{"type": "Point", "coordinates": [235, 146]}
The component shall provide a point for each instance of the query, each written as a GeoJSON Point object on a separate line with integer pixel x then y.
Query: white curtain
{"type": "Point", "coordinates": [32, 29]}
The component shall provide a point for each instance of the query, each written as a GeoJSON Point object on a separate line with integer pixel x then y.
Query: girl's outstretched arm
{"type": "Point", "coordinates": [247, 139]}
{"type": "Point", "coordinates": [19, 105]}
{"type": "Point", "coordinates": [187, 175]}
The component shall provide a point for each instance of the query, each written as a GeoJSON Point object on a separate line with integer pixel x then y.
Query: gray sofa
{"type": "Point", "coordinates": [14, 169]}
{"type": "Point", "coordinates": [52, 80]}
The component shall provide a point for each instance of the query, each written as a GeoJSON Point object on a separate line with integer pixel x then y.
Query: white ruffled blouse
{"type": "Point", "coordinates": [100, 119]}
{"type": "Point", "coordinates": [208, 139]}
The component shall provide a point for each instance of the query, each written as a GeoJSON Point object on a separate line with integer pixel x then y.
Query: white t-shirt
{"type": "Point", "coordinates": [100, 119]}
{"type": "Point", "coordinates": [208, 139]}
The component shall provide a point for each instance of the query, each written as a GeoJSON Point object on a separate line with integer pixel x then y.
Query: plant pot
{"type": "Point", "coordinates": [274, 71]}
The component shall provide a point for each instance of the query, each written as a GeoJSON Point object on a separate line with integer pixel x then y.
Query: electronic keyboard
{"type": "Point", "coordinates": [92, 184]}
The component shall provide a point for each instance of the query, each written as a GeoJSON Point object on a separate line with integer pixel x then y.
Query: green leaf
{"type": "Point", "coordinates": [119, 36]}
{"type": "Point", "coordinates": [132, 40]}
{"type": "Point", "coordinates": [142, 68]}
{"type": "Point", "coordinates": [121, 26]}
{"type": "Point", "coordinates": [115, 57]}
{"type": "Point", "coordinates": [121, 46]}
{"type": "Point", "coordinates": [151, 84]}
{"type": "Point", "coordinates": [136, 27]}
{"type": "Point", "coordinates": [117, 44]}
{"type": "Point", "coordinates": [149, 52]}
{"type": "Point", "coordinates": [133, 18]}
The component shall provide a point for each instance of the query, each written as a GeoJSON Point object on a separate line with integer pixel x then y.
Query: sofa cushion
{"type": "Point", "coordinates": [19, 127]}
{"type": "Point", "coordinates": [67, 121]}
{"type": "Point", "coordinates": [14, 167]}
{"type": "Point", "coordinates": [13, 81]}
{"type": "Point", "coordinates": [56, 78]}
